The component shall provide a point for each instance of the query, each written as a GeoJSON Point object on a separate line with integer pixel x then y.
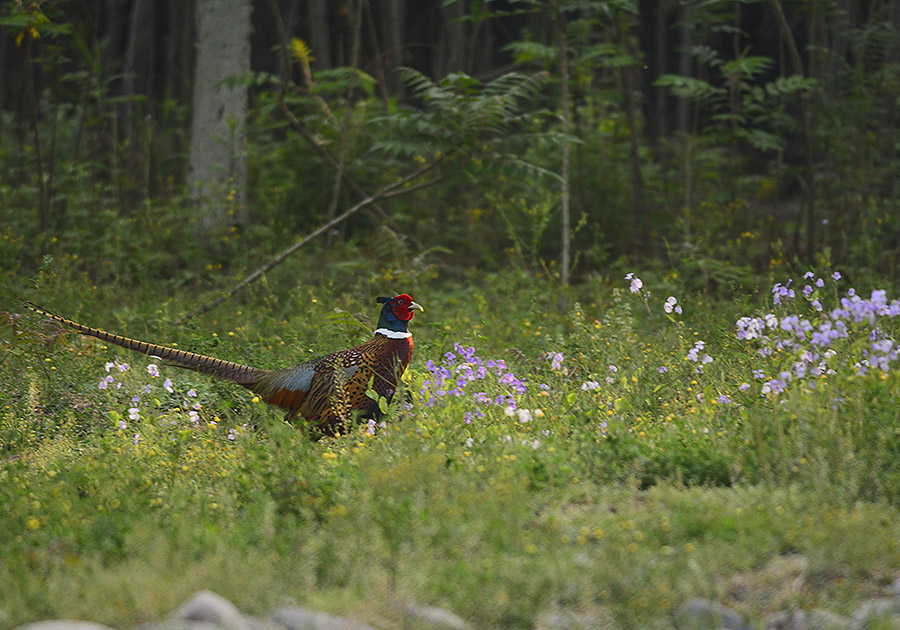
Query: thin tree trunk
{"type": "Point", "coordinates": [452, 51]}
{"type": "Point", "coordinates": [564, 171]}
{"type": "Point", "coordinates": [805, 124]}
{"type": "Point", "coordinates": [320, 33]}
{"type": "Point", "coordinates": [661, 94]}
{"type": "Point", "coordinates": [685, 40]}
{"type": "Point", "coordinates": [631, 119]}
{"type": "Point", "coordinates": [135, 47]}
{"type": "Point", "coordinates": [218, 141]}
{"type": "Point", "coordinates": [348, 115]}
{"type": "Point", "coordinates": [43, 194]}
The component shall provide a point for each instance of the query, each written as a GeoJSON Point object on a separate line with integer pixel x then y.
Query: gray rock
{"type": "Point", "coordinates": [699, 613]}
{"type": "Point", "coordinates": [177, 624]}
{"type": "Point", "coordinates": [252, 623]}
{"type": "Point", "coordinates": [294, 618]}
{"type": "Point", "coordinates": [895, 588]}
{"type": "Point", "coordinates": [786, 620]}
{"type": "Point", "coordinates": [876, 609]}
{"type": "Point", "coordinates": [435, 617]}
{"type": "Point", "coordinates": [211, 608]}
{"type": "Point", "coordinates": [821, 619]}
{"type": "Point", "coordinates": [571, 620]}
{"type": "Point", "coordinates": [63, 624]}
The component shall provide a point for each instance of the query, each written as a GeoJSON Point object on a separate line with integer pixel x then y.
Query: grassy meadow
{"type": "Point", "coordinates": [612, 449]}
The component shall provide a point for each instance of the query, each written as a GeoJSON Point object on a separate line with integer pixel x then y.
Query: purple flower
{"type": "Point", "coordinates": [774, 386]}
{"type": "Point", "coordinates": [153, 370]}
{"type": "Point", "coordinates": [694, 353]}
{"type": "Point", "coordinates": [780, 291]}
{"type": "Point", "coordinates": [636, 283]}
{"type": "Point", "coordinates": [556, 359]}
{"type": "Point", "coordinates": [672, 305]}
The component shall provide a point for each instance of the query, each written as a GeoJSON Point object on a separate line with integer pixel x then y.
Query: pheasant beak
{"type": "Point", "coordinates": [413, 306]}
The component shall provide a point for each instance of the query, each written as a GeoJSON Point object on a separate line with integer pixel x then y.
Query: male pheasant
{"type": "Point", "coordinates": [325, 390]}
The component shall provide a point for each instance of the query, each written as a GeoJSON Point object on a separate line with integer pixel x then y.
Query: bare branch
{"type": "Point", "coordinates": [391, 190]}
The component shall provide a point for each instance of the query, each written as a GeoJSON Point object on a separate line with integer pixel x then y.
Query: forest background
{"type": "Point", "coordinates": [670, 229]}
{"type": "Point", "coordinates": [693, 133]}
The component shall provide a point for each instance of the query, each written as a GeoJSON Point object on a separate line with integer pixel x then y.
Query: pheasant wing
{"type": "Point", "coordinates": [314, 389]}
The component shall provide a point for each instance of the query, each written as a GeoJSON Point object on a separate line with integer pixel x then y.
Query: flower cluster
{"type": "Point", "coordinates": [636, 283]}
{"type": "Point", "coordinates": [462, 373]}
{"type": "Point", "coordinates": [805, 348]}
{"type": "Point", "coordinates": [139, 401]}
{"type": "Point", "coordinates": [672, 305]}
{"type": "Point", "coordinates": [694, 356]}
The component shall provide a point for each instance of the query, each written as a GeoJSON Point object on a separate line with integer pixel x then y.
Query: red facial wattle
{"type": "Point", "coordinates": [402, 309]}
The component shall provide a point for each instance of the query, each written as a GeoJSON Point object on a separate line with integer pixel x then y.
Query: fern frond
{"type": "Point", "coordinates": [301, 52]}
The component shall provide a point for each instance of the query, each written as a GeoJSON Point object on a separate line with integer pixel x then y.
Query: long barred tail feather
{"type": "Point", "coordinates": [242, 374]}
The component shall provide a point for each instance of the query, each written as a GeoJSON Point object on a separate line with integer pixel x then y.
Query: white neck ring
{"type": "Point", "coordinates": [393, 334]}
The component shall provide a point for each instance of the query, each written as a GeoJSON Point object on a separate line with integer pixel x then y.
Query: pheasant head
{"type": "Point", "coordinates": [396, 313]}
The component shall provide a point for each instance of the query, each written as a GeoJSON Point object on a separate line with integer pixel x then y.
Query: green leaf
{"type": "Point", "coordinates": [690, 88]}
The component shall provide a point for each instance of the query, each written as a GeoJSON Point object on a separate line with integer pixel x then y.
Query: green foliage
{"type": "Point", "coordinates": [740, 106]}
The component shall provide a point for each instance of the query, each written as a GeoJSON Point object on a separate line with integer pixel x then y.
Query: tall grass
{"type": "Point", "coordinates": [613, 457]}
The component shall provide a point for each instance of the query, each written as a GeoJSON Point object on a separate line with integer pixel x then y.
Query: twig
{"type": "Point", "coordinates": [391, 190]}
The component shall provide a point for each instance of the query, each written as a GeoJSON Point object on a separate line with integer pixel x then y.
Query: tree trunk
{"type": "Point", "coordinates": [686, 40]}
{"type": "Point", "coordinates": [396, 9]}
{"type": "Point", "coordinates": [564, 170]}
{"type": "Point", "coordinates": [451, 54]}
{"type": "Point", "coordinates": [320, 33]}
{"type": "Point", "coordinates": [218, 161]}
{"type": "Point", "coordinates": [805, 135]}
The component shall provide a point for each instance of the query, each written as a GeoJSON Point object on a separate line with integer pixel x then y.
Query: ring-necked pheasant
{"type": "Point", "coordinates": [326, 390]}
